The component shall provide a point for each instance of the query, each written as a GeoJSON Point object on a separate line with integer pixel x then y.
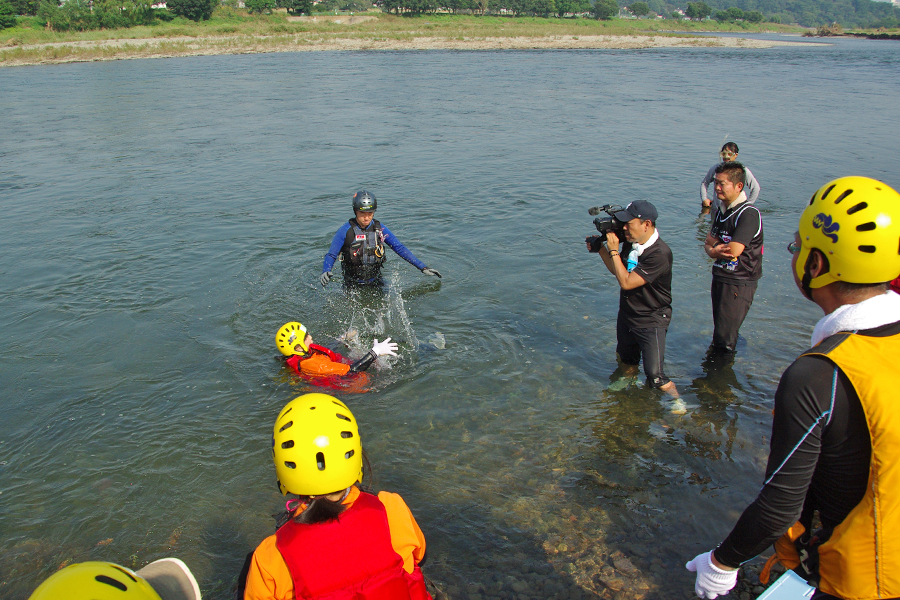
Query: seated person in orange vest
{"type": "Point", "coordinates": [335, 540]}
{"type": "Point", "coordinates": [312, 360]}
{"type": "Point", "coordinates": [164, 579]}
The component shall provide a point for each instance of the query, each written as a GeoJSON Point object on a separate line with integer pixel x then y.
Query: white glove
{"type": "Point", "coordinates": [711, 580]}
{"type": "Point", "coordinates": [385, 347]}
{"type": "Point", "coordinates": [326, 277]}
{"type": "Point", "coordinates": [432, 272]}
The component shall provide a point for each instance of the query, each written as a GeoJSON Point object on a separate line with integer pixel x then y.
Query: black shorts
{"type": "Point", "coordinates": [649, 343]}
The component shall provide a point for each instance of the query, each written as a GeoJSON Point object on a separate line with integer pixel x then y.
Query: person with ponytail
{"type": "Point", "coordinates": [336, 539]}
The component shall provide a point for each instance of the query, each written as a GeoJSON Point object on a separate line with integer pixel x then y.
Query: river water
{"type": "Point", "coordinates": [162, 218]}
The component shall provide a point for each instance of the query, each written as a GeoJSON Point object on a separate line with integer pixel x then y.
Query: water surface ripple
{"type": "Point", "coordinates": [163, 217]}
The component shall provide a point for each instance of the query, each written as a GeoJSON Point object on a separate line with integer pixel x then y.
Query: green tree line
{"type": "Point", "coordinates": [809, 13]}
{"type": "Point", "coordinates": [95, 14]}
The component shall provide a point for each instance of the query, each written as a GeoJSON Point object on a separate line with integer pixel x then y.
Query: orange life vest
{"type": "Point", "coordinates": [328, 369]}
{"type": "Point", "coordinates": [861, 559]}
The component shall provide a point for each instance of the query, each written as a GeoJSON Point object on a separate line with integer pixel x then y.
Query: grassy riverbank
{"type": "Point", "coordinates": [234, 32]}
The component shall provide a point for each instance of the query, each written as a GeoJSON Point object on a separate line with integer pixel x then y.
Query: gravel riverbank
{"type": "Point", "coordinates": [118, 49]}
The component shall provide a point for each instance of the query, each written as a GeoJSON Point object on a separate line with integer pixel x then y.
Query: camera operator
{"type": "Point", "coordinates": [643, 268]}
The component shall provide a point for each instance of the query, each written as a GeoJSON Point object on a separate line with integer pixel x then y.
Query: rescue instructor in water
{"type": "Point", "coordinates": [360, 245]}
{"type": "Point", "coordinates": [835, 440]}
{"type": "Point", "coordinates": [336, 539]}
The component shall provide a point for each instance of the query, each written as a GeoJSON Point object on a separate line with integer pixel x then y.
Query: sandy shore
{"type": "Point", "coordinates": [63, 52]}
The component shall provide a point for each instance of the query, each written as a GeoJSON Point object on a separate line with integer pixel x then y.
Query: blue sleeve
{"type": "Point", "coordinates": [394, 244]}
{"type": "Point", "coordinates": [337, 244]}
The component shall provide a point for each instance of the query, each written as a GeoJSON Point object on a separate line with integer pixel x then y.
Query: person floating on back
{"type": "Point", "coordinates": [360, 244]}
{"type": "Point", "coordinates": [335, 540]}
{"type": "Point", "coordinates": [729, 153]}
{"type": "Point", "coordinates": [320, 365]}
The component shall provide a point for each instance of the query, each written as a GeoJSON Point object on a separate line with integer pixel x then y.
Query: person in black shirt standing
{"type": "Point", "coordinates": [735, 240]}
{"type": "Point", "coordinates": [643, 269]}
{"type": "Point", "coordinates": [830, 490]}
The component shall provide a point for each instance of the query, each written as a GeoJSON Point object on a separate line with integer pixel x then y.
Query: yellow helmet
{"type": "Point", "coordinates": [95, 581]}
{"type": "Point", "coordinates": [316, 446]}
{"type": "Point", "coordinates": [855, 223]}
{"type": "Point", "coordinates": [290, 335]}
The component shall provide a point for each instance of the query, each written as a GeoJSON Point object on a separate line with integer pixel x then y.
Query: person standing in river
{"type": "Point", "coordinates": [735, 241]}
{"type": "Point", "coordinates": [835, 439]}
{"type": "Point", "coordinates": [360, 244]}
{"type": "Point", "coordinates": [729, 153]}
{"type": "Point", "coordinates": [645, 298]}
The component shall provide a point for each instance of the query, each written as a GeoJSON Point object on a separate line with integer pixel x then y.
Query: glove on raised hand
{"type": "Point", "coordinates": [433, 272]}
{"type": "Point", "coordinates": [385, 347]}
{"type": "Point", "coordinates": [326, 277]}
{"type": "Point", "coordinates": [711, 580]}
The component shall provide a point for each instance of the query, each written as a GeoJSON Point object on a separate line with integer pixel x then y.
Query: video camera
{"type": "Point", "coordinates": [604, 225]}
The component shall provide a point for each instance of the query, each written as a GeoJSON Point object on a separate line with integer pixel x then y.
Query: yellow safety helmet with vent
{"type": "Point", "coordinates": [855, 223]}
{"type": "Point", "coordinates": [95, 581]}
{"type": "Point", "coordinates": [316, 446]}
{"type": "Point", "coordinates": [289, 336]}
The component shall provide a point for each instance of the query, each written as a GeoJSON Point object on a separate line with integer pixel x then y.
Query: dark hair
{"type": "Point", "coordinates": [850, 290]}
{"type": "Point", "coordinates": [321, 509]}
{"type": "Point", "coordinates": [730, 146]}
{"type": "Point", "coordinates": [733, 170]}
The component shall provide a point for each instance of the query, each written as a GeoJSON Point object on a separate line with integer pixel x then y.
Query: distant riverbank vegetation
{"type": "Point", "coordinates": [43, 21]}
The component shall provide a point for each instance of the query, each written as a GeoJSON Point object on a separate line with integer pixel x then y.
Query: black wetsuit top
{"type": "Point", "coordinates": [819, 456]}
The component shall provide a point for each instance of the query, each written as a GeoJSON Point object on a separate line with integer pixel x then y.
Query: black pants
{"type": "Point", "coordinates": [730, 305]}
{"type": "Point", "coordinates": [647, 343]}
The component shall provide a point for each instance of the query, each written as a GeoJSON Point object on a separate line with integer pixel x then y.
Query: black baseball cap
{"type": "Point", "coordinates": [639, 209]}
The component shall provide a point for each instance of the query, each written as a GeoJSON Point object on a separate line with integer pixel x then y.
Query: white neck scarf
{"type": "Point", "coordinates": [638, 249]}
{"type": "Point", "coordinates": [874, 312]}
{"type": "Point", "coordinates": [742, 197]}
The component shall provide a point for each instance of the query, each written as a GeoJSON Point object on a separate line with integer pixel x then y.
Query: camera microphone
{"type": "Point", "coordinates": [596, 210]}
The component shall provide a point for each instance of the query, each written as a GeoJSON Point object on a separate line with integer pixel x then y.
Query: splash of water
{"type": "Point", "coordinates": [376, 313]}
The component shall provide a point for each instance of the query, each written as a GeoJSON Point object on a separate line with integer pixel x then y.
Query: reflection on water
{"type": "Point", "coordinates": [154, 244]}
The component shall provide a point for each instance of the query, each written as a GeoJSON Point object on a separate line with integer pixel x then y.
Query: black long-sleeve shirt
{"type": "Point", "coordinates": [819, 456]}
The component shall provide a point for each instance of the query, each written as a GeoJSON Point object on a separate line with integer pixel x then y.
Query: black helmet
{"type": "Point", "coordinates": [364, 201]}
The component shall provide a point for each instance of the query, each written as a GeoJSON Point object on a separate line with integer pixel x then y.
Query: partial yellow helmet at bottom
{"type": "Point", "coordinates": [316, 446]}
{"type": "Point", "coordinates": [855, 223]}
{"type": "Point", "coordinates": [95, 581]}
{"type": "Point", "coordinates": [290, 335]}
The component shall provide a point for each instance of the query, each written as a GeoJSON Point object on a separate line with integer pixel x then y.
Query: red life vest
{"type": "Point", "coordinates": [348, 558]}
